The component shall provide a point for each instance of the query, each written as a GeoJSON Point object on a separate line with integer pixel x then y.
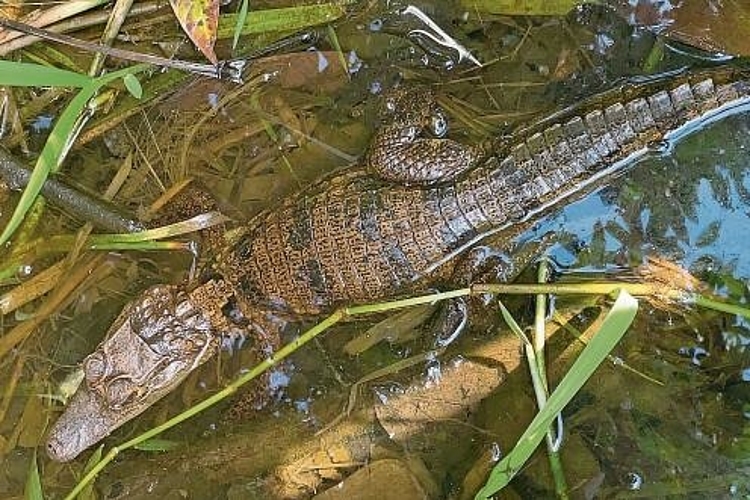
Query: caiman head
{"type": "Point", "coordinates": [157, 340]}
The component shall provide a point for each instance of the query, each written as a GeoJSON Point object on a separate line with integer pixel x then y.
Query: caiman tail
{"type": "Point", "coordinates": [384, 228]}
{"type": "Point", "coordinates": [358, 237]}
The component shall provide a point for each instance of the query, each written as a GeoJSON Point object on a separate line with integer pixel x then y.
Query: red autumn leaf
{"type": "Point", "coordinates": [200, 20]}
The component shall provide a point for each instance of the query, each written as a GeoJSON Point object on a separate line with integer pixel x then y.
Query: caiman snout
{"type": "Point", "coordinates": [157, 340]}
{"type": "Point", "coordinates": [86, 421]}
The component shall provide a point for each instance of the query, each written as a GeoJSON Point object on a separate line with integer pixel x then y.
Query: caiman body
{"type": "Point", "coordinates": [393, 224]}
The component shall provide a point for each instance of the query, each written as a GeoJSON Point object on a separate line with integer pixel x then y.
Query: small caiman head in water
{"type": "Point", "coordinates": [157, 340]}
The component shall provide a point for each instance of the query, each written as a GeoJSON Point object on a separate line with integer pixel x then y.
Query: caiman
{"type": "Point", "coordinates": [390, 225]}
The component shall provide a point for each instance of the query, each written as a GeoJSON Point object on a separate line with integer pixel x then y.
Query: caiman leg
{"type": "Point", "coordinates": [481, 264]}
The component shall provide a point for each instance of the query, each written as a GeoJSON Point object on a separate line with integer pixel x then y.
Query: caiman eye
{"type": "Point", "coordinates": [94, 368]}
{"type": "Point", "coordinates": [119, 392]}
{"type": "Point", "coordinates": [438, 125]}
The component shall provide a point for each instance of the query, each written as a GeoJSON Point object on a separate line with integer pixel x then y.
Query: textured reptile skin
{"type": "Point", "coordinates": [389, 226]}
{"type": "Point", "coordinates": [355, 237]}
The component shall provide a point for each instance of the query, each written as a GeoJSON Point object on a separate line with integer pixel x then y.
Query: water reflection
{"type": "Point", "coordinates": [689, 204]}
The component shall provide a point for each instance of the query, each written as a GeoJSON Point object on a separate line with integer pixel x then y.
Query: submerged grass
{"type": "Point", "coordinates": [286, 19]}
{"type": "Point", "coordinates": [33, 489]}
{"type": "Point", "coordinates": [88, 269]}
{"type": "Point", "coordinates": [149, 239]}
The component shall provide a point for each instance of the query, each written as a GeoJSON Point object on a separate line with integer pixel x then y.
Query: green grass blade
{"type": "Point", "coordinates": [18, 74]}
{"type": "Point", "coordinates": [55, 149]}
{"type": "Point", "coordinates": [722, 306]}
{"type": "Point", "coordinates": [286, 19]}
{"type": "Point", "coordinates": [513, 325]}
{"type": "Point", "coordinates": [240, 23]}
{"type": "Point", "coordinates": [613, 328]}
{"type": "Point", "coordinates": [33, 489]}
{"type": "Point", "coordinates": [88, 492]}
{"type": "Point", "coordinates": [524, 8]}
{"type": "Point", "coordinates": [191, 225]}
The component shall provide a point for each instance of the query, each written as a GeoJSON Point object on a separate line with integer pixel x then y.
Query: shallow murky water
{"type": "Point", "coordinates": [672, 422]}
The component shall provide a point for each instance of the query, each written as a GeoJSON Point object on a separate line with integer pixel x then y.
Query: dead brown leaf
{"type": "Point", "coordinates": [714, 26]}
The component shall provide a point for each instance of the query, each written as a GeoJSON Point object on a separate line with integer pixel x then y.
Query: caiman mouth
{"type": "Point", "coordinates": [153, 345]}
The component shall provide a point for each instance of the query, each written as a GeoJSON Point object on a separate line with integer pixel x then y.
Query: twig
{"type": "Point", "coordinates": [191, 67]}
{"type": "Point", "coordinates": [114, 23]}
{"type": "Point", "coordinates": [62, 10]}
{"type": "Point", "coordinates": [79, 22]}
{"type": "Point", "coordinates": [73, 201]}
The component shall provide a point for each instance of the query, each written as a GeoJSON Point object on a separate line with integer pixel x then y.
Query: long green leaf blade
{"type": "Point", "coordinates": [285, 19]}
{"type": "Point", "coordinates": [240, 23]}
{"type": "Point", "coordinates": [18, 74]}
{"type": "Point", "coordinates": [33, 489]}
{"type": "Point", "coordinates": [613, 328]}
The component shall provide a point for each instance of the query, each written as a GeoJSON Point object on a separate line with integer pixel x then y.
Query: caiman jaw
{"type": "Point", "coordinates": [153, 345]}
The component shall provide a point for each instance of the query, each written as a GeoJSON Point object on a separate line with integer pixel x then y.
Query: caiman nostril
{"type": "Point", "coordinates": [54, 450]}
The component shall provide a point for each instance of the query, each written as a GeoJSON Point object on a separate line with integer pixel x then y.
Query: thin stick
{"type": "Point", "coordinates": [78, 23]}
{"type": "Point", "coordinates": [191, 67]}
{"type": "Point", "coordinates": [592, 288]}
{"type": "Point", "coordinates": [114, 23]}
{"type": "Point", "coordinates": [716, 305]}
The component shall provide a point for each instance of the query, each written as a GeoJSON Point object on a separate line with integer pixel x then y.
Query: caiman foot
{"type": "Point", "coordinates": [413, 149]}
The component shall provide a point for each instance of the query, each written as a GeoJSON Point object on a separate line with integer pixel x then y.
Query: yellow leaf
{"type": "Point", "coordinates": [200, 20]}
